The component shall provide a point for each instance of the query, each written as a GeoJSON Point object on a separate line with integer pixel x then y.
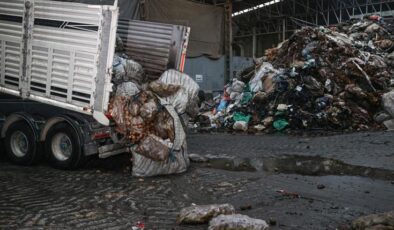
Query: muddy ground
{"type": "Point", "coordinates": [296, 182]}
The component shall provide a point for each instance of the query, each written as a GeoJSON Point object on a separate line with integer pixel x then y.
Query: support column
{"type": "Point", "coordinates": [254, 42]}
{"type": "Point", "coordinates": [284, 29]}
{"type": "Point", "coordinates": [228, 40]}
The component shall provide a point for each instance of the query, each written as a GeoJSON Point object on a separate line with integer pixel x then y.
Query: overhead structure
{"type": "Point", "coordinates": [284, 16]}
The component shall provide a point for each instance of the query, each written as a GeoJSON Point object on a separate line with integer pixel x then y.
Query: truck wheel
{"type": "Point", "coordinates": [63, 148]}
{"type": "Point", "coordinates": [20, 144]}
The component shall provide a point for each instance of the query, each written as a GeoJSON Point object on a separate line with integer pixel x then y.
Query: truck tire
{"type": "Point", "coordinates": [63, 148]}
{"type": "Point", "coordinates": [20, 144]}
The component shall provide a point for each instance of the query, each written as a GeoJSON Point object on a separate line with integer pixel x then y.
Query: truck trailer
{"type": "Point", "coordinates": [55, 76]}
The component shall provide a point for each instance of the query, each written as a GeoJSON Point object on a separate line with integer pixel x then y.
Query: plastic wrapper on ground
{"type": "Point", "coordinates": [200, 214]}
{"type": "Point", "coordinates": [236, 222]}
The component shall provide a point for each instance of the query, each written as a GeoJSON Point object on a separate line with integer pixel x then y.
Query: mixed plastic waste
{"type": "Point", "coordinates": [319, 79]}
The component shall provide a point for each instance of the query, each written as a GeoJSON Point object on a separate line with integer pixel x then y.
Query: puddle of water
{"type": "Point", "coordinates": [303, 165]}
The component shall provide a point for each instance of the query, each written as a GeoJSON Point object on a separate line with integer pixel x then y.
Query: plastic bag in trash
{"type": "Point", "coordinates": [119, 47]}
{"type": "Point", "coordinates": [137, 128]}
{"type": "Point", "coordinates": [240, 125]}
{"type": "Point", "coordinates": [118, 67]}
{"type": "Point", "coordinates": [127, 89]}
{"type": "Point", "coordinates": [200, 214]}
{"type": "Point", "coordinates": [162, 89]}
{"type": "Point", "coordinates": [236, 222]}
{"type": "Point", "coordinates": [125, 69]}
{"type": "Point", "coordinates": [149, 110]}
{"type": "Point", "coordinates": [154, 148]}
{"type": "Point", "coordinates": [256, 84]}
{"type": "Point", "coordinates": [177, 162]}
{"type": "Point", "coordinates": [188, 93]}
{"type": "Point", "coordinates": [237, 86]}
{"type": "Point", "coordinates": [134, 72]}
{"type": "Point", "coordinates": [164, 125]}
{"type": "Point", "coordinates": [117, 107]}
{"type": "Point", "coordinates": [178, 159]}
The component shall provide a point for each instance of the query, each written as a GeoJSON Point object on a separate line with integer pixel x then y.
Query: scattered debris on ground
{"type": "Point", "coordinates": [200, 214]}
{"type": "Point", "coordinates": [320, 78]}
{"type": "Point", "coordinates": [384, 221]}
{"type": "Point", "coordinates": [236, 222]}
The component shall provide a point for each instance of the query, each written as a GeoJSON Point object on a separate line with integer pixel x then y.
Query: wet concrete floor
{"type": "Point", "coordinates": [297, 182]}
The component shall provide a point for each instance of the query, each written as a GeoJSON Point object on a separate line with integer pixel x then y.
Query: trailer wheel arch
{"type": "Point", "coordinates": [56, 120]}
{"type": "Point", "coordinates": [20, 117]}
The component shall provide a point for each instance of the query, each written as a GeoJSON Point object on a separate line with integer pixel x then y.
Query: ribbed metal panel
{"type": "Point", "coordinates": [12, 64]}
{"type": "Point", "coordinates": [69, 12]}
{"type": "Point", "coordinates": [10, 43]}
{"type": "Point", "coordinates": [155, 46]}
{"type": "Point", "coordinates": [83, 40]}
{"type": "Point", "coordinates": [65, 56]}
{"type": "Point", "coordinates": [12, 7]}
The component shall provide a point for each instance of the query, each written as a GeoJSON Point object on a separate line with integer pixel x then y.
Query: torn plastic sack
{"type": "Point", "coordinates": [137, 128]}
{"type": "Point", "coordinates": [134, 72]}
{"type": "Point", "coordinates": [155, 148]}
{"type": "Point", "coordinates": [125, 69]}
{"type": "Point", "coordinates": [186, 99]}
{"type": "Point", "coordinates": [256, 83]}
{"type": "Point", "coordinates": [241, 125]}
{"type": "Point", "coordinates": [162, 89]}
{"type": "Point", "coordinates": [200, 214]}
{"type": "Point", "coordinates": [149, 110]}
{"type": "Point", "coordinates": [127, 89]}
{"type": "Point", "coordinates": [237, 86]}
{"type": "Point", "coordinates": [164, 125]}
{"type": "Point", "coordinates": [178, 159]}
{"type": "Point", "coordinates": [236, 222]}
{"type": "Point", "coordinates": [388, 102]}
{"type": "Point", "coordinates": [119, 47]}
{"type": "Point", "coordinates": [116, 109]}
{"type": "Point", "coordinates": [118, 67]}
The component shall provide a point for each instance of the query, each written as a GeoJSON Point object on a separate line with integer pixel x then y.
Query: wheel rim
{"type": "Point", "coordinates": [62, 147]}
{"type": "Point", "coordinates": [19, 144]}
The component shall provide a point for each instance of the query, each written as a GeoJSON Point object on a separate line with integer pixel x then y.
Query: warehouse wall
{"type": "Point", "coordinates": [209, 73]}
{"type": "Point", "coordinates": [263, 42]}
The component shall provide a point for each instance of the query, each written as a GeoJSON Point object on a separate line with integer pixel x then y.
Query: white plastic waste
{"type": "Point", "coordinates": [186, 99]}
{"type": "Point", "coordinates": [236, 222]}
{"type": "Point", "coordinates": [200, 214]}
{"type": "Point", "coordinates": [256, 84]}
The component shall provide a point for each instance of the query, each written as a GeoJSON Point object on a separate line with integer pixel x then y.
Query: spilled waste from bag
{"type": "Point", "coordinates": [147, 115]}
{"type": "Point", "coordinates": [294, 164]}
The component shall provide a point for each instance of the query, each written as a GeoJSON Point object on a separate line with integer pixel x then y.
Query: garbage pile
{"type": "Point", "coordinates": [146, 115]}
{"type": "Point", "coordinates": [320, 78]}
